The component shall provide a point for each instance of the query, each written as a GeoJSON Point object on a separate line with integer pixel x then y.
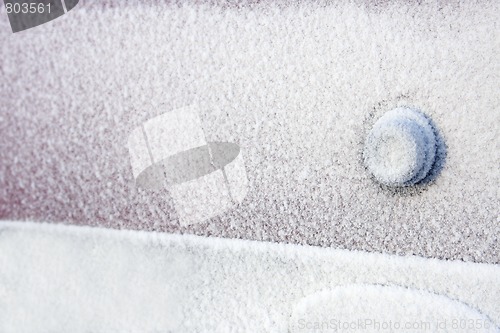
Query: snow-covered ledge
{"type": "Point", "coordinates": [82, 279]}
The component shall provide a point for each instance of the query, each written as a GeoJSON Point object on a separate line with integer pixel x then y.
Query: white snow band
{"type": "Point", "coordinates": [204, 179]}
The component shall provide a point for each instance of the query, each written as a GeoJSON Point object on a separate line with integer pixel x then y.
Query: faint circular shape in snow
{"type": "Point", "coordinates": [400, 149]}
{"type": "Point", "coordinates": [377, 308]}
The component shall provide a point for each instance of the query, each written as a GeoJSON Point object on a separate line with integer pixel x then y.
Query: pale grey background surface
{"type": "Point", "coordinates": [297, 87]}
